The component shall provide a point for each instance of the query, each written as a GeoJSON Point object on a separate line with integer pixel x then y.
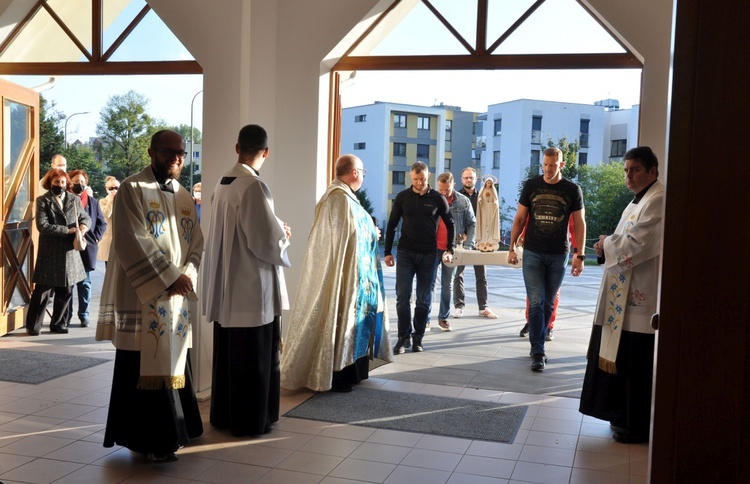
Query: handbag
{"type": "Point", "coordinates": [79, 243]}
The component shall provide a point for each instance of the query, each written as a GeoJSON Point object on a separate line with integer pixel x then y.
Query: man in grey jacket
{"type": "Point", "coordinates": [465, 224]}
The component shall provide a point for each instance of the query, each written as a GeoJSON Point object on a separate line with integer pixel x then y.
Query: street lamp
{"type": "Point", "coordinates": [192, 137]}
{"type": "Point", "coordinates": [66, 125]}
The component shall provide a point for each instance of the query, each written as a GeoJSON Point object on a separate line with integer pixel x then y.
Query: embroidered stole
{"type": "Point", "coordinates": [165, 321]}
{"type": "Point", "coordinates": [616, 299]}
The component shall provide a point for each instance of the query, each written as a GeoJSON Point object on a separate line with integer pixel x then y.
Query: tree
{"type": "Point", "coordinates": [124, 131]}
{"type": "Point", "coordinates": [605, 197]}
{"type": "Point", "coordinates": [184, 130]}
{"type": "Point", "coordinates": [51, 137]}
{"type": "Point", "coordinates": [82, 158]}
{"type": "Point", "coordinates": [570, 156]}
{"type": "Point", "coordinates": [364, 200]}
{"type": "Point", "coordinates": [185, 176]}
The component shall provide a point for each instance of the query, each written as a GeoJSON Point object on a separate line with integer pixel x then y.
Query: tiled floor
{"type": "Point", "coordinates": [52, 432]}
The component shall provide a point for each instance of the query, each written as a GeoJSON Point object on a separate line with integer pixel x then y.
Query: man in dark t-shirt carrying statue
{"type": "Point", "coordinates": [549, 201]}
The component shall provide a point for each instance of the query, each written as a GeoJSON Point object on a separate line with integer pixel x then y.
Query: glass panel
{"type": "Point", "coordinates": [418, 33]}
{"type": "Point", "coordinates": [461, 15]}
{"type": "Point", "coordinates": [501, 14]}
{"type": "Point", "coordinates": [151, 30]}
{"type": "Point", "coordinates": [76, 15]}
{"type": "Point", "coordinates": [17, 117]}
{"type": "Point", "coordinates": [16, 138]}
{"type": "Point", "coordinates": [42, 40]}
{"type": "Point", "coordinates": [21, 209]}
{"type": "Point", "coordinates": [559, 27]}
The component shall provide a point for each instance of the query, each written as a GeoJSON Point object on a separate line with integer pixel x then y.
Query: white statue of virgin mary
{"type": "Point", "coordinates": [488, 218]}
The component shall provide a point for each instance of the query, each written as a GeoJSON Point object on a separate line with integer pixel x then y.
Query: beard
{"type": "Point", "coordinates": [166, 170]}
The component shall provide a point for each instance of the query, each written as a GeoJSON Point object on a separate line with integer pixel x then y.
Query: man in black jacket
{"type": "Point", "coordinates": [420, 207]}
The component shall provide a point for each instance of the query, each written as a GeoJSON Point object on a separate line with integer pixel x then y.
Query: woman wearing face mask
{"type": "Point", "coordinates": [95, 233]}
{"type": "Point", "coordinates": [58, 266]}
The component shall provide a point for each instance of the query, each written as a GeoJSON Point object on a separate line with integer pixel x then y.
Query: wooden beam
{"type": "Point", "coordinates": [97, 29]}
{"type": "Point", "coordinates": [476, 62]}
{"type": "Point", "coordinates": [99, 68]}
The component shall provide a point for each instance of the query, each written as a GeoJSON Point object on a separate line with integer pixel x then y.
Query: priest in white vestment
{"type": "Point", "coordinates": [144, 309]}
{"type": "Point", "coordinates": [338, 320]}
{"type": "Point", "coordinates": [619, 373]}
{"type": "Point", "coordinates": [244, 292]}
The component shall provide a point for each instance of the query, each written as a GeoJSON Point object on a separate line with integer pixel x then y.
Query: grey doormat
{"type": "Point", "coordinates": [34, 367]}
{"type": "Point", "coordinates": [412, 412]}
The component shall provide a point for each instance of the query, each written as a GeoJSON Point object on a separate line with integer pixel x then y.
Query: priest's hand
{"type": "Point", "coordinates": [389, 261]}
{"type": "Point", "coordinates": [181, 287]}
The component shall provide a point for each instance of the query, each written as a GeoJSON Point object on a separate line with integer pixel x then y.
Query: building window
{"type": "Point", "coordinates": [398, 178]}
{"type": "Point", "coordinates": [361, 118]}
{"type": "Point", "coordinates": [583, 159]}
{"type": "Point", "coordinates": [447, 164]}
{"type": "Point", "coordinates": [399, 149]}
{"type": "Point", "coordinates": [423, 151]}
{"type": "Point", "coordinates": [359, 146]}
{"type": "Point", "coordinates": [536, 130]}
{"type": "Point", "coordinates": [534, 165]}
{"type": "Point", "coordinates": [448, 145]}
{"type": "Point", "coordinates": [584, 140]}
{"type": "Point", "coordinates": [498, 126]}
{"type": "Point", "coordinates": [618, 148]}
{"type": "Point", "coordinates": [448, 124]}
{"type": "Point", "coordinates": [399, 120]}
{"type": "Point", "coordinates": [423, 122]}
{"type": "Point", "coordinates": [495, 160]}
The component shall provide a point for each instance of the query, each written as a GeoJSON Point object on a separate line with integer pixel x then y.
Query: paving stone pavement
{"type": "Point", "coordinates": [488, 353]}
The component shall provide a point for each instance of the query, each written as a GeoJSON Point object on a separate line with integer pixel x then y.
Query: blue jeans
{"type": "Point", "coordinates": [446, 285]}
{"type": "Point", "coordinates": [424, 266]}
{"type": "Point", "coordinates": [84, 298]}
{"type": "Point", "coordinates": [543, 275]}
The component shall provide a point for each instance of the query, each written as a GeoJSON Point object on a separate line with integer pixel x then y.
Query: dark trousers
{"type": "Point", "coordinates": [38, 305]}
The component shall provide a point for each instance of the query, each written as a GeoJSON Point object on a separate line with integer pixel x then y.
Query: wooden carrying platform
{"type": "Point", "coordinates": [463, 257]}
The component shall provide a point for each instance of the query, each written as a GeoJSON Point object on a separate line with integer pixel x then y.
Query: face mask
{"type": "Point", "coordinates": [77, 188]}
{"type": "Point", "coordinates": [56, 190]}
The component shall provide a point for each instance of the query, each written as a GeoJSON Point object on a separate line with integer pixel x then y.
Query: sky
{"type": "Point", "coordinates": [171, 97]}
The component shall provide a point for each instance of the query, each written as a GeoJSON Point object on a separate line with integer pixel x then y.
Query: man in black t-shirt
{"type": "Point", "coordinates": [420, 207]}
{"type": "Point", "coordinates": [549, 201]}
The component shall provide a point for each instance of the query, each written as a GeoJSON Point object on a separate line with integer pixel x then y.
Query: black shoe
{"type": "Point", "coordinates": [525, 331]}
{"type": "Point", "coordinates": [417, 346]}
{"type": "Point", "coordinates": [161, 458]}
{"type": "Point", "coordinates": [342, 388]}
{"type": "Point", "coordinates": [625, 437]}
{"type": "Point", "coordinates": [84, 323]}
{"type": "Point", "coordinates": [401, 345]}
{"type": "Point", "coordinates": [538, 364]}
{"type": "Point", "coordinates": [58, 329]}
{"type": "Point", "coordinates": [31, 332]}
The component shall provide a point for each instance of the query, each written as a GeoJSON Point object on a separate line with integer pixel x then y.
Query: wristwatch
{"type": "Point", "coordinates": [581, 256]}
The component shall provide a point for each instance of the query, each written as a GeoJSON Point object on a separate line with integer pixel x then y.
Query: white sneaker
{"type": "Point", "coordinates": [427, 327]}
{"type": "Point", "coordinates": [458, 312]}
{"type": "Point", "coordinates": [487, 313]}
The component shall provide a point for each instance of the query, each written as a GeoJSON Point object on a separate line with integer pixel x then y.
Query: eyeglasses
{"type": "Point", "coordinates": [172, 153]}
{"type": "Point", "coordinates": [112, 189]}
{"type": "Point", "coordinates": [363, 170]}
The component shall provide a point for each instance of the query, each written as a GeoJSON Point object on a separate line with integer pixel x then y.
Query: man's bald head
{"type": "Point", "coordinates": [58, 161]}
{"type": "Point", "coordinates": [350, 170]}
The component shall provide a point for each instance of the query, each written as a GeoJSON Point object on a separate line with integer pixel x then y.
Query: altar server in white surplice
{"type": "Point", "coordinates": [144, 309]}
{"type": "Point", "coordinates": [619, 372]}
{"type": "Point", "coordinates": [338, 321]}
{"type": "Point", "coordinates": [244, 292]}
